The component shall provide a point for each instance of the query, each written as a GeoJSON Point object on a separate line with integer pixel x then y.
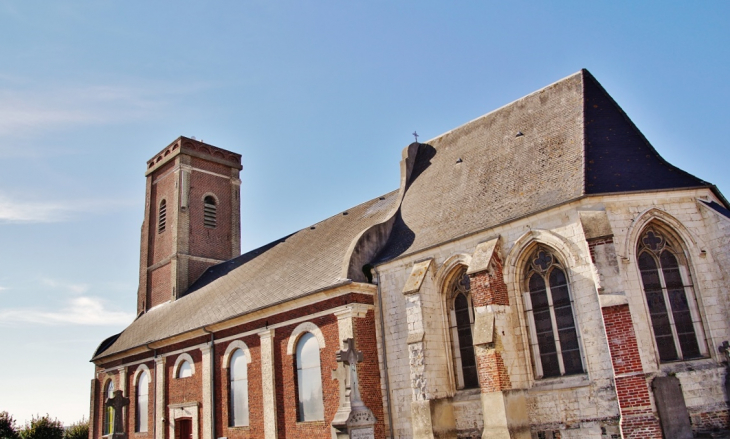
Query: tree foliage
{"type": "Point", "coordinates": [8, 429]}
{"type": "Point", "coordinates": [78, 430]}
{"type": "Point", "coordinates": [42, 427]}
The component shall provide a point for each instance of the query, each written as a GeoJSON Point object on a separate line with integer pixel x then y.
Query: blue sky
{"type": "Point", "coordinates": [318, 97]}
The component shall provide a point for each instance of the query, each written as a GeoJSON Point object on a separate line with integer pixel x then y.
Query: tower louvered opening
{"type": "Point", "coordinates": [209, 212]}
{"type": "Point", "coordinates": [162, 217]}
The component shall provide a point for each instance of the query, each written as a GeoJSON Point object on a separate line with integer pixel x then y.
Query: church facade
{"type": "Point", "coordinates": [541, 272]}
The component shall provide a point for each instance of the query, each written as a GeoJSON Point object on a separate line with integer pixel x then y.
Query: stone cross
{"type": "Point", "coordinates": [118, 402]}
{"type": "Point", "coordinates": [415, 134]}
{"type": "Point", "coordinates": [350, 357]}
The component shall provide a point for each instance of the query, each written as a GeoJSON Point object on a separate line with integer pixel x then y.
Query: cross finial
{"type": "Point", "coordinates": [415, 134]}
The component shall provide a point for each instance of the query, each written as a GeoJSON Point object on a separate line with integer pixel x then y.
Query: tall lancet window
{"type": "Point", "coordinates": [309, 379]}
{"type": "Point", "coordinates": [549, 308]}
{"type": "Point", "coordinates": [238, 371]}
{"type": "Point", "coordinates": [142, 406]}
{"type": "Point", "coordinates": [109, 411]}
{"type": "Point", "coordinates": [461, 320]}
{"type": "Point", "coordinates": [670, 297]}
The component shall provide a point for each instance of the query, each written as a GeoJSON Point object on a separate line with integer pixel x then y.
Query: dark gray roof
{"type": "Point", "coordinates": [306, 261]}
{"type": "Point", "coordinates": [558, 144]}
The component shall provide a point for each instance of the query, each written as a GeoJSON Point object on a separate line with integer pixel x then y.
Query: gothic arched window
{"type": "Point", "coordinates": [209, 212]}
{"type": "Point", "coordinates": [309, 379]}
{"type": "Point", "coordinates": [461, 320]}
{"type": "Point", "coordinates": [109, 411]}
{"type": "Point", "coordinates": [238, 396]}
{"type": "Point", "coordinates": [142, 406]}
{"type": "Point", "coordinates": [549, 308]}
{"type": "Point", "coordinates": [670, 297]}
{"type": "Point", "coordinates": [162, 217]}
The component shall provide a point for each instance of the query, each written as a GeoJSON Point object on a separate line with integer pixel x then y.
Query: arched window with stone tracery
{"type": "Point", "coordinates": [461, 322]}
{"type": "Point", "coordinates": [550, 318]}
{"type": "Point", "coordinates": [670, 296]}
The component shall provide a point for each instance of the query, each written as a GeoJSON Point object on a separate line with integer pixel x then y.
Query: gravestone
{"type": "Point", "coordinates": [673, 413]}
{"type": "Point", "coordinates": [117, 403]}
{"type": "Point", "coordinates": [360, 422]}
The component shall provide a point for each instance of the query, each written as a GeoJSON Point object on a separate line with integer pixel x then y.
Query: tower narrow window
{"type": "Point", "coordinates": [209, 212]}
{"type": "Point", "coordinates": [309, 379]}
{"type": "Point", "coordinates": [549, 308]}
{"type": "Point", "coordinates": [162, 217]}
{"type": "Point", "coordinates": [108, 427]}
{"type": "Point", "coordinates": [238, 396]}
{"type": "Point", "coordinates": [142, 407]}
{"type": "Point", "coordinates": [460, 322]}
{"type": "Point", "coordinates": [670, 298]}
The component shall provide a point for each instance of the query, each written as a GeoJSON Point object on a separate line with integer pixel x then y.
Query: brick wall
{"type": "Point", "coordinates": [214, 243]}
{"type": "Point", "coordinates": [637, 416]}
{"type": "Point", "coordinates": [489, 288]}
{"type": "Point", "coordinates": [159, 286]}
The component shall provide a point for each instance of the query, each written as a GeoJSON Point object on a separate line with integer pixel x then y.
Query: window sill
{"type": "Point", "coordinates": [688, 365]}
{"type": "Point", "coordinates": [239, 427]}
{"type": "Point", "coordinates": [467, 395]}
{"type": "Point", "coordinates": [305, 423]}
{"type": "Point", "coordinates": [564, 382]}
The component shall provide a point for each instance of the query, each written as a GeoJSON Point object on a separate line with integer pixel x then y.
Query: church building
{"type": "Point", "coordinates": [540, 273]}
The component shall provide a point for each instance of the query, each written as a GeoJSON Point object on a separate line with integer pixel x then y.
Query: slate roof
{"type": "Point", "coordinates": [558, 144]}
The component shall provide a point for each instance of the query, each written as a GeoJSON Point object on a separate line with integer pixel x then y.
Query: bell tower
{"type": "Point", "coordinates": [192, 218]}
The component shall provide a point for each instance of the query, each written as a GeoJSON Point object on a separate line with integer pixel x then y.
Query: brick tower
{"type": "Point", "coordinates": [192, 218]}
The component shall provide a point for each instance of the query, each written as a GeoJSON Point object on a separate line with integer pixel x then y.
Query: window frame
{"type": "Point", "coordinates": [306, 337]}
{"type": "Point", "coordinates": [530, 270]}
{"type": "Point", "coordinates": [675, 246]}
{"type": "Point", "coordinates": [108, 423]}
{"type": "Point", "coordinates": [183, 358]}
{"type": "Point", "coordinates": [143, 371]}
{"type": "Point", "coordinates": [455, 287]}
{"type": "Point", "coordinates": [245, 359]}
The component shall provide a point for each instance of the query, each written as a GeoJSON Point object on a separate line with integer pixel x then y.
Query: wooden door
{"type": "Point", "coordinates": [183, 429]}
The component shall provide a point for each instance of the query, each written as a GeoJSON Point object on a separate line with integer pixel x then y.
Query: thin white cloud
{"type": "Point", "coordinates": [31, 109]}
{"type": "Point", "coordinates": [16, 210]}
{"type": "Point", "coordinates": [88, 311]}
{"type": "Point", "coordinates": [74, 288]}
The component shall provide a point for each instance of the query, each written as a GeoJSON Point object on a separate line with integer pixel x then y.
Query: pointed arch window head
{"type": "Point", "coordinates": [461, 322]}
{"type": "Point", "coordinates": [309, 379]}
{"type": "Point", "coordinates": [109, 412]}
{"type": "Point", "coordinates": [142, 406]}
{"type": "Point", "coordinates": [550, 317]}
{"type": "Point", "coordinates": [162, 217]}
{"type": "Point", "coordinates": [238, 375]}
{"type": "Point", "coordinates": [209, 212]}
{"type": "Point", "coordinates": [670, 297]}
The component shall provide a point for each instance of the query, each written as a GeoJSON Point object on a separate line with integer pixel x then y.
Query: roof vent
{"type": "Point", "coordinates": [344, 213]}
{"type": "Point", "coordinates": [460, 160]}
{"type": "Point", "coordinates": [519, 134]}
{"type": "Point", "coordinates": [312, 228]}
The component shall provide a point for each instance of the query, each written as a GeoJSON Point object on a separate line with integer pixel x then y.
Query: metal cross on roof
{"type": "Point", "coordinates": [415, 134]}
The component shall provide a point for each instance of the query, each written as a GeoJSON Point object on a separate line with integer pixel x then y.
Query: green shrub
{"type": "Point", "coordinates": [8, 429]}
{"type": "Point", "coordinates": [78, 430]}
{"type": "Point", "coordinates": [42, 427]}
